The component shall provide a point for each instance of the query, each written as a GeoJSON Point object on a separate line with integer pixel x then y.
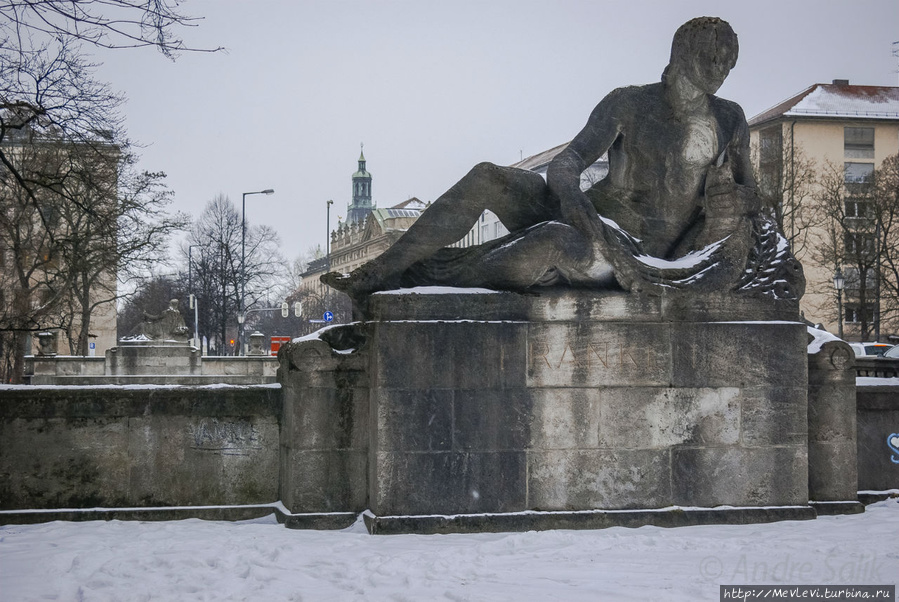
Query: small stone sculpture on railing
{"type": "Point", "coordinates": [167, 326]}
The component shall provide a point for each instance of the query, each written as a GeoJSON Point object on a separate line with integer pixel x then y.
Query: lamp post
{"type": "Point", "coordinates": [328, 238]}
{"type": "Point", "coordinates": [190, 291]}
{"type": "Point", "coordinates": [839, 283]}
{"type": "Point", "coordinates": [243, 262]}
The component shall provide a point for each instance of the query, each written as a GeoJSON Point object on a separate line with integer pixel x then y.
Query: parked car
{"type": "Point", "coordinates": [869, 349]}
{"type": "Point", "coordinates": [892, 353]}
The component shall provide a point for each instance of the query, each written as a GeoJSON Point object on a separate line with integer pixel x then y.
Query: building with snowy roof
{"type": "Point", "coordinates": [837, 124]}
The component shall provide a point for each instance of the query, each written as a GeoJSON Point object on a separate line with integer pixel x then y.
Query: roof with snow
{"type": "Point", "coordinates": [413, 203]}
{"type": "Point", "coordinates": [540, 162]}
{"type": "Point", "coordinates": [837, 100]}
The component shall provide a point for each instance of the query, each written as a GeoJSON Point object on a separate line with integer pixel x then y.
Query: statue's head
{"type": "Point", "coordinates": [704, 51]}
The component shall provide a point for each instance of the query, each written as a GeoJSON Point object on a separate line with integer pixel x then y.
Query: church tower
{"type": "Point", "coordinates": [361, 206]}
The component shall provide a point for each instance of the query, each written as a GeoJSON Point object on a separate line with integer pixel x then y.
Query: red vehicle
{"type": "Point", "coordinates": [276, 344]}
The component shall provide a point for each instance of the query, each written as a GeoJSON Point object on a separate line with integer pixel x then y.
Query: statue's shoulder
{"type": "Point", "coordinates": [636, 99]}
{"type": "Point", "coordinates": [728, 110]}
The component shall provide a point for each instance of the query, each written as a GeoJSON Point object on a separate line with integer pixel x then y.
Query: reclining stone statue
{"type": "Point", "coordinates": [169, 325]}
{"type": "Point", "coordinates": [677, 210]}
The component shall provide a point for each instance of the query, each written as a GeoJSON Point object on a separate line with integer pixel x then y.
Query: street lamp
{"type": "Point", "coordinates": [839, 283]}
{"type": "Point", "coordinates": [190, 291]}
{"type": "Point", "coordinates": [328, 238]}
{"type": "Point", "coordinates": [243, 260]}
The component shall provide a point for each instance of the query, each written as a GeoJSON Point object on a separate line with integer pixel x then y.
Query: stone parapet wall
{"type": "Point", "coordinates": [878, 420]}
{"type": "Point", "coordinates": [83, 447]}
{"type": "Point", "coordinates": [149, 364]}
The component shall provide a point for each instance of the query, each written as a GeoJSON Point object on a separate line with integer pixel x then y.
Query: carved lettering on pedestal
{"type": "Point", "coordinates": [591, 355]}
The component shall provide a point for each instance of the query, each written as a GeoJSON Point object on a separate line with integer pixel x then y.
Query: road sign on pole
{"type": "Point", "coordinates": [328, 317]}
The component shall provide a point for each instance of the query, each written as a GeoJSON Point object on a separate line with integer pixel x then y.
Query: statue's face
{"type": "Point", "coordinates": [705, 56]}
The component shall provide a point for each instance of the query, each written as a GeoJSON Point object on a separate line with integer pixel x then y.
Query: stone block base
{"type": "Point", "coordinates": [590, 519]}
{"type": "Point", "coordinates": [567, 402]}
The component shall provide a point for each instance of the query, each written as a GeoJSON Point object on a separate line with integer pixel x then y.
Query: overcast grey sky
{"type": "Point", "coordinates": [433, 88]}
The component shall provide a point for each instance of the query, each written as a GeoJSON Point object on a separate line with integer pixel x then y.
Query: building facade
{"type": "Point", "coordinates": [54, 245]}
{"type": "Point", "coordinates": [828, 129]}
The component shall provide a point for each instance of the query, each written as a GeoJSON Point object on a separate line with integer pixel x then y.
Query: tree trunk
{"type": "Point", "coordinates": [20, 349]}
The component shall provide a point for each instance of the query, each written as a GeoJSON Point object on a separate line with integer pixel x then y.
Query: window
{"type": "Point", "coordinates": [857, 242]}
{"type": "Point", "coordinates": [853, 280]}
{"type": "Point", "coordinates": [855, 313]}
{"type": "Point", "coordinates": [858, 143]}
{"type": "Point", "coordinates": [859, 208]}
{"type": "Point", "coordinates": [857, 172]}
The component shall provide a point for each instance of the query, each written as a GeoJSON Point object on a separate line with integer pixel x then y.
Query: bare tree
{"type": "Point", "coordinates": [862, 239]}
{"type": "Point", "coordinates": [787, 181]}
{"type": "Point", "coordinates": [218, 274]}
{"type": "Point", "coordinates": [47, 86]}
{"type": "Point", "coordinates": [31, 283]}
{"type": "Point", "coordinates": [886, 195]}
{"type": "Point", "coordinates": [117, 236]}
{"type": "Point", "coordinates": [101, 23]}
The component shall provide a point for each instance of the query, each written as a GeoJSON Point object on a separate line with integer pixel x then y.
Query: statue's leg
{"type": "Point", "coordinates": [519, 198]}
{"type": "Point", "coordinates": [547, 254]}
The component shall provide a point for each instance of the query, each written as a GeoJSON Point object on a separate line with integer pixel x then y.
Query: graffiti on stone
{"type": "Point", "coordinates": [226, 438]}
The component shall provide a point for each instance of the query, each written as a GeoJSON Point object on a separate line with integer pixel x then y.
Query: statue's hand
{"type": "Point", "coordinates": [579, 213]}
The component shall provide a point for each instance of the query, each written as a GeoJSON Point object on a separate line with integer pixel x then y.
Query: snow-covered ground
{"type": "Point", "coordinates": [261, 560]}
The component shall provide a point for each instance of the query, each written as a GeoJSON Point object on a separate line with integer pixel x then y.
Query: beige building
{"type": "Point", "coordinates": [825, 127]}
{"type": "Point", "coordinates": [31, 228]}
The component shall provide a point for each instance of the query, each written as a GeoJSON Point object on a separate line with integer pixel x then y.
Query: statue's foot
{"type": "Point", "coordinates": [356, 285]}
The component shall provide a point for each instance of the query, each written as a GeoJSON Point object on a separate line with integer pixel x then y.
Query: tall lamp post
{"type": "Point", "coordinates": [328, 238]}
{"type": "Point", "coordinates": [190, 291]}
{"type": "Point", "coordinates": [243, 262]}
{"type": "Point", "coordinates": [839, 283]}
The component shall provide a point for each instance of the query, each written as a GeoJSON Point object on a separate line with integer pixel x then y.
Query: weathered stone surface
{"type": "Point", "coordinates": [592, 354]}
{"type": "Point", "coordinates": [566, 418]}
{"type": "Point", "coordinates": [832, 433]}
{"type": "Point", "coordinates": [449, 354]}
{"type": "Point", "coordinates": [626, 427]}
{"type": "Point", "coordinates": [773, 416]}
{"type": "Point", "coordinates": [326, 426]}
{"type": "Point", "coordinates": [324, 480]}
{"type": "Point", "coordinates": [491, 420]}
{"type": "Point", "coordinates": [598, 519]}
{"type": "Point", "coordinates": [592, 479]}
{"type": "Point", "coordinates": [449, 482]}
{"type": "Point", "coordinates": [118, 447]}
{"type": "Point", "coordinates": [735, 476]}
{"type": "Point", "coordinates": [661, 418]}
{"type": "Point", "coordinates": [414, 420]}
{"type": "Point", "coordinates": [878, 417]}
{"type": "Point", "coordinates": [738, 354]}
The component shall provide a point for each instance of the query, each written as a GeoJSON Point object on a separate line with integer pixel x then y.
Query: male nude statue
{"type": "Point", "coordinates": [679, 179]}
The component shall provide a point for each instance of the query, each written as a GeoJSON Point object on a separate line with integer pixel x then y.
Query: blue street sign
{"type": "Point", "coordinates": [329, 317]}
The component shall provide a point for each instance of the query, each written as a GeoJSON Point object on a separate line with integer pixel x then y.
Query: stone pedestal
{"type": "Point", "coordinates": [144, 357]}
{"type": "Point", "coordinates": [501, 403]}
{"type": "Point", "coordinates": [832, 453]}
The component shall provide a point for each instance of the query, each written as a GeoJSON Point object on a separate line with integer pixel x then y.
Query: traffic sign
{"type": "Point", "coordinates": [328, 317]}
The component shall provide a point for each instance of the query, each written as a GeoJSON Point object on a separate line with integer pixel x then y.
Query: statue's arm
{"type": "Point", "coordinates": [564, 174]}
{"type": "Point", "coordinates": [741, 160]}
